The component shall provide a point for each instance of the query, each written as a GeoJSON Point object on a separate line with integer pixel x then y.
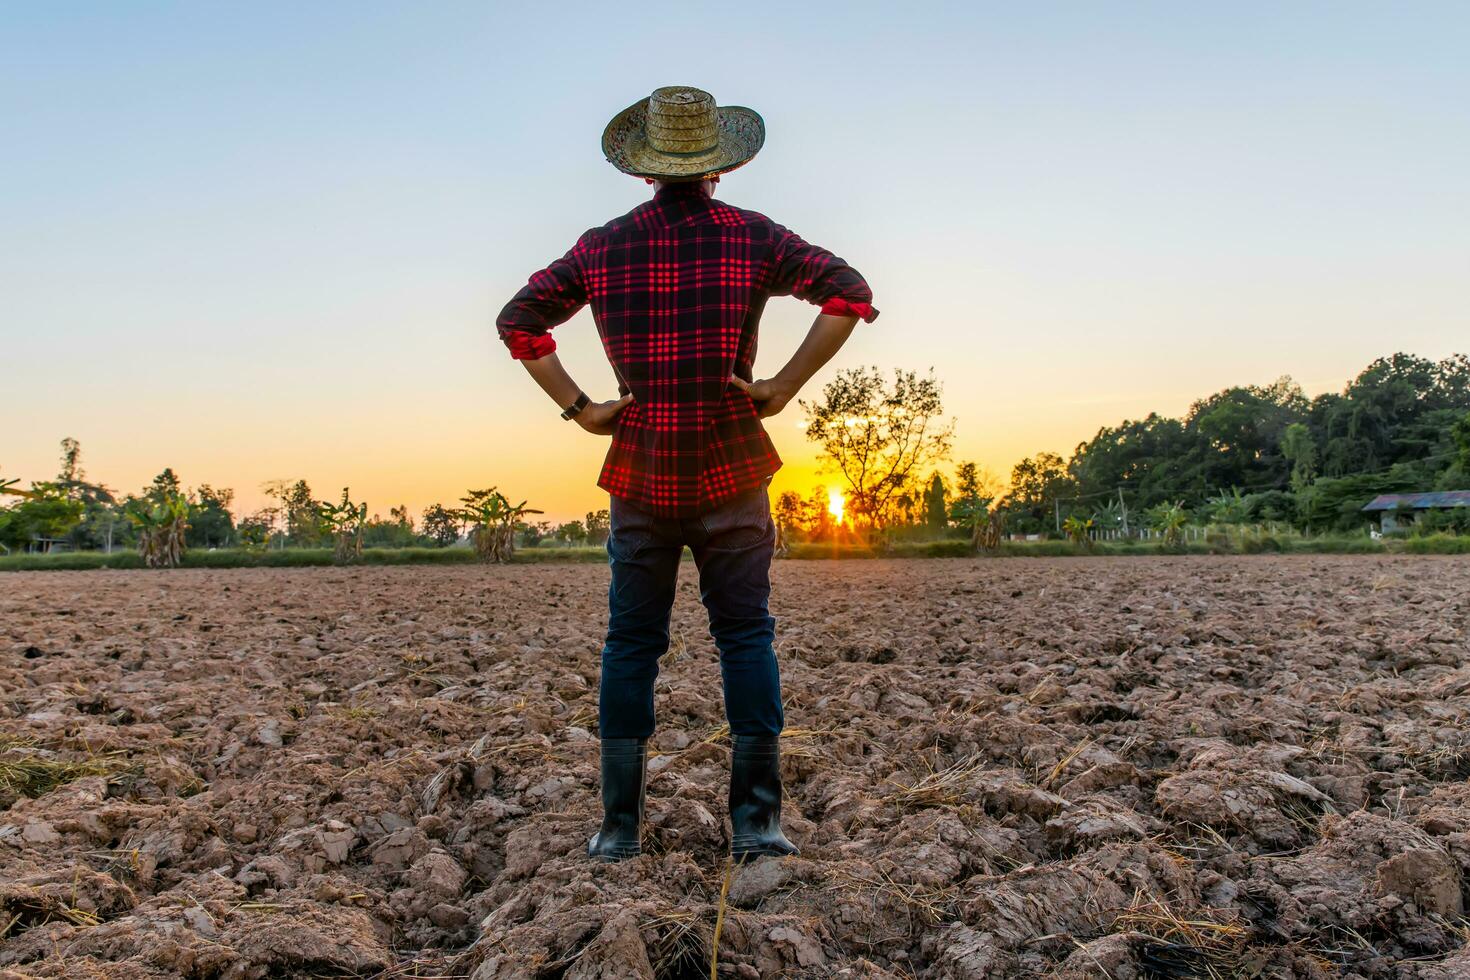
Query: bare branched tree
{"type": "Point", "coordinates": [877, 435]}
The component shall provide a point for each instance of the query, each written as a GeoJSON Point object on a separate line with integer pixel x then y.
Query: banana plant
{"type": "Point", "coordinates": [1109, 515]}
{"type": "Point", "coordinates": [8, 487]}
{"type": "Point", "coordinates": [492, 518]}
{"type": "Point", "coordinates": [1230, 508]}
{"type": "Point", "coordinates": [346, 521]}
{"type": "Point", "coordinates": [1079, 530]}
{"type": "Point", "coordinates": [987, 536]}
{"type": "Point", "coordinates": [1170, 518]}
{"type": "Point", "coordinates": [161, 527]}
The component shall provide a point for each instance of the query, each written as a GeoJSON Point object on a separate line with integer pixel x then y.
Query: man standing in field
{"type": "Point", "coordinates": [677, 286]}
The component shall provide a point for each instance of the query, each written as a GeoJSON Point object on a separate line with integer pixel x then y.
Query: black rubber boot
{"type": "Point", "coordinates": [755, 798]}
{"type": "Point", "coordinates": [624, 763]}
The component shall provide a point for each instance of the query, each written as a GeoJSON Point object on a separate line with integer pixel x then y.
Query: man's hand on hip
{"type": "Point", "coordinates": [601, 418]}
{"type": "Point", "coordinates": [827, 335]}
{"type": "Point", "coordinates": [598, 418]}
{"type": "Point", "coordinates": [770, 395]}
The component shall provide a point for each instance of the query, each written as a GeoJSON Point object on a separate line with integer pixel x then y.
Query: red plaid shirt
{"type": "Point", "coordinates": [677, 286]}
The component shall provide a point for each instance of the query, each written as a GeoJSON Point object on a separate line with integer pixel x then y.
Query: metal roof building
{"type": "Point", "coordinates": [1391, 507]}
{"type": "Point", "coordinates": [1420, 501]}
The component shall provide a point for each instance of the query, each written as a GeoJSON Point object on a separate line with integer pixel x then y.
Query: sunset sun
{"type": "Point", "coordinates": [835, 505]}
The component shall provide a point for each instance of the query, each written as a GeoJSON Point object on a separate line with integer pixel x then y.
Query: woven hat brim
{"type": "Point", "coordinates": [740, 135]}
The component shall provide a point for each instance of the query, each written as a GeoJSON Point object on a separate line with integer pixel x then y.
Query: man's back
{"type": "Point", "coordinates": [677, 287]}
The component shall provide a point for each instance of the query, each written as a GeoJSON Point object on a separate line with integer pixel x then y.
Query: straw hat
{"type": "Point", "coordinates": [680, 134]}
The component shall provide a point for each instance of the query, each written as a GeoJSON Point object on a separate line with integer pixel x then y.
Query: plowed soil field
{"type": "Point", "coordinates": [1210, 767]}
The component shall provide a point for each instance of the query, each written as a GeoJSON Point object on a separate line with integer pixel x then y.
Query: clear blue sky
{"type": "Point", "coordinates": [267, 240]}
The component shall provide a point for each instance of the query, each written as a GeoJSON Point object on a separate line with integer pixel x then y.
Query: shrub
{"type": "Point", "coordinates": [1438, 544]}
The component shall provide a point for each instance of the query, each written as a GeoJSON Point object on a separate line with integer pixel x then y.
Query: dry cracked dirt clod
{"type": "Point", "coordinates": [1124, 768]}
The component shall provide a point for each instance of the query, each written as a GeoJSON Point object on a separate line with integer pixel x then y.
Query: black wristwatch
{"type": "Point", "coordinates": [575, 408]}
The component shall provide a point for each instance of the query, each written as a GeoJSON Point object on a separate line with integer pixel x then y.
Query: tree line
{"type": "Point", "coordinates": [1247, 454]}
{"type": "Point", "coordinates": [81, 515]}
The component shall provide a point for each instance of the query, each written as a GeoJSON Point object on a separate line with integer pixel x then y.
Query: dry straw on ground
{"type": "Point", "coordinates": [1211, 767]}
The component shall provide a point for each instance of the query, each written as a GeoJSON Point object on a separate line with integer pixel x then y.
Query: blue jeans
{"type": "Point", "coordinates": [732, 545]}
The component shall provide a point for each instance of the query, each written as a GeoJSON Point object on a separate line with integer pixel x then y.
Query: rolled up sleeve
{"type": "Point", "coordinates": [549, 299]}
{"type": "Point", "coordinates": [810, 272]}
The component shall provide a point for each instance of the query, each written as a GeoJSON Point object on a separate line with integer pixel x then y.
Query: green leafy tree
{"type": "Point", "coordinates": [572, 532]}
{"type": "Point", "coordinates": [1038, 483]}
{"type": "Point", "coordinates": [71, 479]}
{"type": "Point", "coordinates": [396, 531]}
{"type": "Point", "coordinates": [789, 513]}
{"type": "Point", "coordinates": [936, 506]}
{"type": "Point", "coordinates": [104, 523]}
{"type": "Point", "coordinates": [71, 462]}
{"type": "Point", "coordinates": [1153, 457]}
{"type": "Point", "coordinates": [300, 511]}
{"type": "Point", "coordinates": [1335, 503]}
{"type": "Point", "coordinates": [1396, 418]}
{"type": "Point", "coordinates": [46, 514]}
{"type": "Point", "coordinates": [974, 494]}
{"type": "Point", "coordinates": [1457, 477]}
{"type": "Point", "coordinates": [165, 487]}
{"type": "Point", "coordinates": [100, 515]}
{"type": "Point", "coordinates": [1451, 521]}
{"type": "Point", "coordinates": [1239, 431]}
{"type": "Point", "coordinates": [1398, 410]}
{"type": "Point", "coordinates": [534, 532]}
{"type": "Point", "coordinates": [598, 524]}
{"type": "Point", "coordinates": [1271, 506]}
{"type": "Point", "coordinates": [303, 516]}
{"type": "Point", "coordinates": [1300, 449]}
{"type": "Point", "coordinates": [211, 524]}
{"type": "Point", "coordinates": [254, 530]}
{"type": "Point", "coordinates": [442, 526]}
